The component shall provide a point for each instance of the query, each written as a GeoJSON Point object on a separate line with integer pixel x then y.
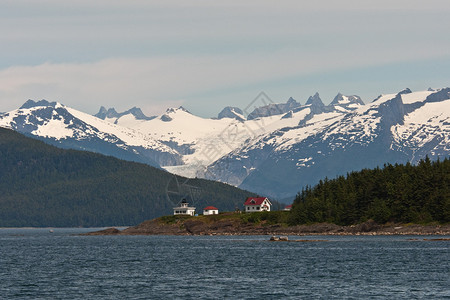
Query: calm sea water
{"type": "Point", "coordinates": [37, 264]}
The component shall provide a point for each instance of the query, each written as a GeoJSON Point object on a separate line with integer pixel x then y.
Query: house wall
{"type": "Point", "coordinates": [266, 203]}
{"type": "Point", "coordinates": [211, 212]}
{"type": "Point", "coordinates": [257, 208]}
{"type": "Point", "coordinates": [183, 211]}
{"type": "Point", "coordinates": [252, 208]}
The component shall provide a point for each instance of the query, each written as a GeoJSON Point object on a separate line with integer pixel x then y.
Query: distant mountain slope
{"type": "Point", "coordinates": [112, 114]}
{"type": "Point", "coordinates": [274, 150]}
{"type": "Point", "coordinates": [231, 112]}
{"type": "Point", "coordinates": [394, 128]}
{"type": "Point", "coordinates": [41, 185]}
{"type": "Point", "coordinates": [65, 127]}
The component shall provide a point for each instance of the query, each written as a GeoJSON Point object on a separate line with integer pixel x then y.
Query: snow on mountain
{"type": "Point", "coordinates": [201, 141]}
{"type": "Point", "coordinates": [274, 151]}
{"type": "Point", "coordinates": [315, 100]}
{"type": "Point", "coordinates": [426, 129]}
{"type": "Point", "coordinates": [273, 109]}
{"type": "Point", "coordinates": [232, 112]}
{"type": "Point", "coordinates": [112, 115]}
{"type": "Point", "coordinates": [394, 128]}
{"type": "Point", "coordinates": [346, 103]}
{"type": "Point", "coordinates": [70, 128]}
{"type": "Point", "coordinates": [346, 100]}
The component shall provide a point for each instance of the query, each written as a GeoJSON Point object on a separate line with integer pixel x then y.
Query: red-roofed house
{"type": "Point", "coordinates": [288, 207]}
{"type": "Point", "coordinates": [253, 204]}
{"type": "Point", "coordinates": [210, 210]}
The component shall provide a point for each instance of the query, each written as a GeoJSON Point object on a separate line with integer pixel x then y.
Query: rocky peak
{"type": "Point", "coordinates": [111, 113]}
{"type": "Point", "coordinates": [315, 100]}
{"type": "Point", "coordinates": [341, 99]}
{"type": "Point", "coordinates": [31, 103]}
{"type": "Point", "coordinates": [231, 112]}
{"type": "Point", "coordinates": [273, 109]}
{"type": "Point", "coordinates": [441, 95]}
{"type": "Point", "coordinates": [166, 118]}
{"type": "Point", "coordinates": [405, 91]}
{"type": "Point", "coordinates": [173, 110]}
{"type": "Point", "coordinates": [103, 113]}
{"type": "Point", "coordinates": [291, 103]}
{"type": "Point", "coordinates": [138, 114]}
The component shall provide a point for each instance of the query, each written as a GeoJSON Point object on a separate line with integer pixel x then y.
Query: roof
{"type": "Point", "coordinates": [210, 208]}
{"type": "Point", "coordinates": [289, 206]}
{"type": "Point", "coordinates": [255, 200]}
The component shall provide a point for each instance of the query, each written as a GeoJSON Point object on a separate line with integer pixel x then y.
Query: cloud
{"type": "Point", "coordinates": [156, 54]}
{"type": "Point", "coordinates": [124, 82]}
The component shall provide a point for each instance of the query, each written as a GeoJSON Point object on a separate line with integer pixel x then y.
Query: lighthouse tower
{"type": "Point", "coordinates": [184, 209]}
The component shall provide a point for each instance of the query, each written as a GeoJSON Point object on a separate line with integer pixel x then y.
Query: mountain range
{"type": "Point", "coordinates": [273, 149]}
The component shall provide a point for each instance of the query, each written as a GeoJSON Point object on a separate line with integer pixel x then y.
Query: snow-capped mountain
{"type": "Point", "coordinates": [111, 114]}
{"type": "Point", "coordinates": [200, 141]}
{"type": "Point", "coordinates": [232, 112]}
{"type": "Point", "coordinates": [273, 109]}
{"type": "Point", "coordinates": [273, 150]}
{"type": "Point", "coordinates": [394, 128]}
{"type": "Point", "coordinates": [69, 128]}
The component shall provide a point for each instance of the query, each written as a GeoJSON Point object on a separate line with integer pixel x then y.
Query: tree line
{"type": "Point", "coordinates": [41, 185]}
{"type": "Point", "coordinates": [395, 193]}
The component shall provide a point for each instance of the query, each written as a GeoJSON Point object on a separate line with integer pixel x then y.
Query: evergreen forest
{"type": "Point", "coordinates": [45, 186]}
{"type": "Point", "coordinates": [395, 193]}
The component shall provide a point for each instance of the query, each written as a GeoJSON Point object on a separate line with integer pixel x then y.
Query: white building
{"type": "Point", "coordinates": [210, 210]}
{"type": "Point", "coordinates": [184, 209]}
{"type": "Point", "coordinates": [255, 204]}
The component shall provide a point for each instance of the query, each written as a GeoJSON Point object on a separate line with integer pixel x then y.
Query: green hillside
{"type": "Point", "coordinates": [41, 185]}
{"type": "Point", "coordinates": [395, 193]}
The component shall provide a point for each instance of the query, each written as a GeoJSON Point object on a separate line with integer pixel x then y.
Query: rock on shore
{"type": "Point", "coordinates": [234, 226]}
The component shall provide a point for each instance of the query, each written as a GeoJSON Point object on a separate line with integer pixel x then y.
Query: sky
{"type": "Point", "coordinates": [205, 55]}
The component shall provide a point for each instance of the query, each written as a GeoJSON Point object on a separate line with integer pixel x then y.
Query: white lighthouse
{"type": "Point", "coordinates": [184, 209]}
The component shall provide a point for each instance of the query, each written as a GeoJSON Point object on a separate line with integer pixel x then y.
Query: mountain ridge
{"type": "Point", "coordinates": [42, 185]}
{"type": "Point", "coordinates": [275, 151]}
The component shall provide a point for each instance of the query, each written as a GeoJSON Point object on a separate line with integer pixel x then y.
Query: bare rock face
{"type": "Point", "coordinates": [231, 112]}
{"type": "Point", "coordinates": [111, 113]}
{"type": "Point", "coordinates": [273, 109]}
{"type": "Point", "coordinates": [108, 231]}
{"type": "Point", "coordinates": [195, 226]}
{"type": "Point", "coordinates": [368, 226]}
{"type": "Point", "coordinates": [234, 226]}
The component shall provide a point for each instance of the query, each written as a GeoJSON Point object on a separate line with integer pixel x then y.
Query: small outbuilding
{"type": "Point", "coordinates": [288, 207]}
{"type": "Point", "coordinates": [210, 210]}
{"type": "Point", "coordinates": [184, 209]}
{"type": "Point", "coordinates": [256, 204]}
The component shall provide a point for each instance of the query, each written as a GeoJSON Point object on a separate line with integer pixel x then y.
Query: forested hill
{"type": "Point", "coordinates": [41, 185]}
{"type": "Point", "coordinates": [397, 193]}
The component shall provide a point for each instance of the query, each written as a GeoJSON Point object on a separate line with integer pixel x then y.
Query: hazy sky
{"type": "Point", "coordinates": [208, 54]}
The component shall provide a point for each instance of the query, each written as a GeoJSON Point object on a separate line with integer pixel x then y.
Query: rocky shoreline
{"type": "Point", "coordinates": [194, 226]}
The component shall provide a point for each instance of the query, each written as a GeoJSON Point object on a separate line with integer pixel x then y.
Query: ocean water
{"type": "Point", "coordinates": [37, 264]}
